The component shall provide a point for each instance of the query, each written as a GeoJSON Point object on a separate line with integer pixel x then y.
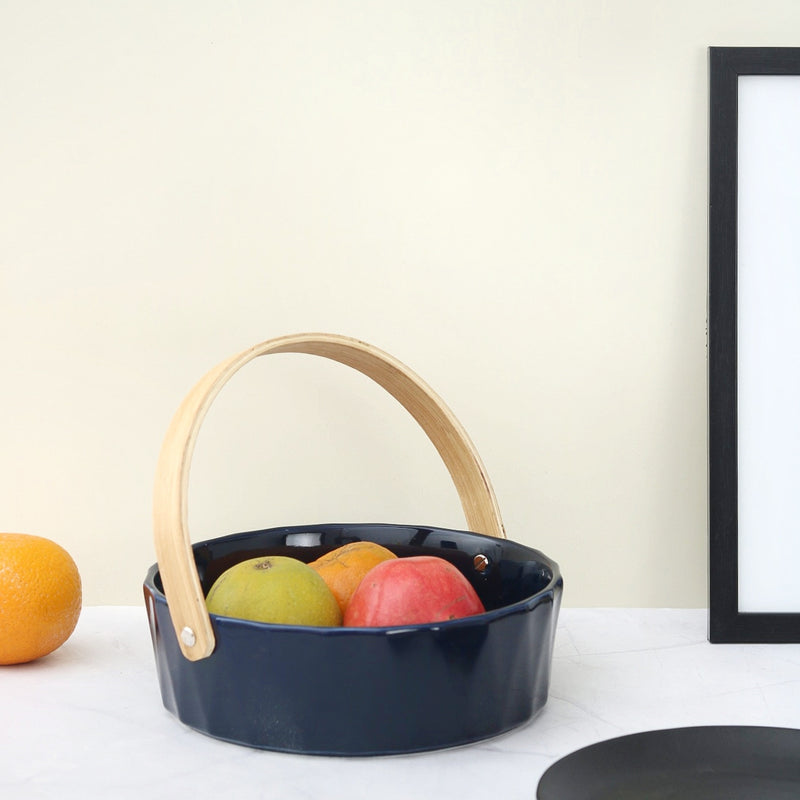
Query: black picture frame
{"type": "Point", "coordinates": [727, 624]}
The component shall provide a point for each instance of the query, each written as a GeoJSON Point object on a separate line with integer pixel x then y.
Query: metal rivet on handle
{"type": "Point", "coordinates": [480, 562]}
{"type": "Point", "coordinates": [188, 637]}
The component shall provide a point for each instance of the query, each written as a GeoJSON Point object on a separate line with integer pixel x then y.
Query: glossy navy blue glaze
{"type": "Point", "coordinates": [367, 691]}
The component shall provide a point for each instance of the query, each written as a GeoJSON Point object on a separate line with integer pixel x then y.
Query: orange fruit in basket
{"type": "Point", "coordinates": [40, 597]}
{"type": "Point", "coordinates": [345, 567]}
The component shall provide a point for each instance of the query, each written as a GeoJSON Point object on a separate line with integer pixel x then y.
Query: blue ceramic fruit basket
{"type": "Point", "coordinates": [349, 691]}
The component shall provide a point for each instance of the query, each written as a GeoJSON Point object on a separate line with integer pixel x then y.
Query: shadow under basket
{"type": "Point", "coordinates": [341, 690]}
{"type": "Point", "coordinates": [367, 691]}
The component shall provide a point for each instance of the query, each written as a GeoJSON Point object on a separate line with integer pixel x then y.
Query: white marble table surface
{"type": "Point", "coordinates": [87, 721]}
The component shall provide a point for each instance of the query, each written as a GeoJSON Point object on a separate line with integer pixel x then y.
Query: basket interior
{"type": "Point", "coordinates": [510, 573]}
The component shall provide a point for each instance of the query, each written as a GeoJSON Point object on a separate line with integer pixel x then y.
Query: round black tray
{"type": "Point", "coordinates": [717, 762]}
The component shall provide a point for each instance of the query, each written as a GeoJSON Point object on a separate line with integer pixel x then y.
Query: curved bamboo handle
{"type": "Point", "coordinates": [170, 516]}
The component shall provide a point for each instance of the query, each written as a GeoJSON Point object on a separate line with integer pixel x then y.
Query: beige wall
{"type": "Point", "coordinates": [508, 196]}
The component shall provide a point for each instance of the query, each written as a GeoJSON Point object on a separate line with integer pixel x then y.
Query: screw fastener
{"type": "Point", "coordinates": [480, 562]}
{"type": "Point", "coordinates": [188, 637]}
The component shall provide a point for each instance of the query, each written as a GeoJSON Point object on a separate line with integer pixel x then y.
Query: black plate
{"type": "Point", "coordinates": [697, 763]}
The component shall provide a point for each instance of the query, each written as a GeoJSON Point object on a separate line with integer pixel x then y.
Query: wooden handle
{"type": "Point", "coordinates": [170, 516]}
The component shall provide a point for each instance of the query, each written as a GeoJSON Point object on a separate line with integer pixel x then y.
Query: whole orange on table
{"type": "Point", "coordinates": [344, 568]}
{"type": "Point", "coordinates": [40, 597]}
